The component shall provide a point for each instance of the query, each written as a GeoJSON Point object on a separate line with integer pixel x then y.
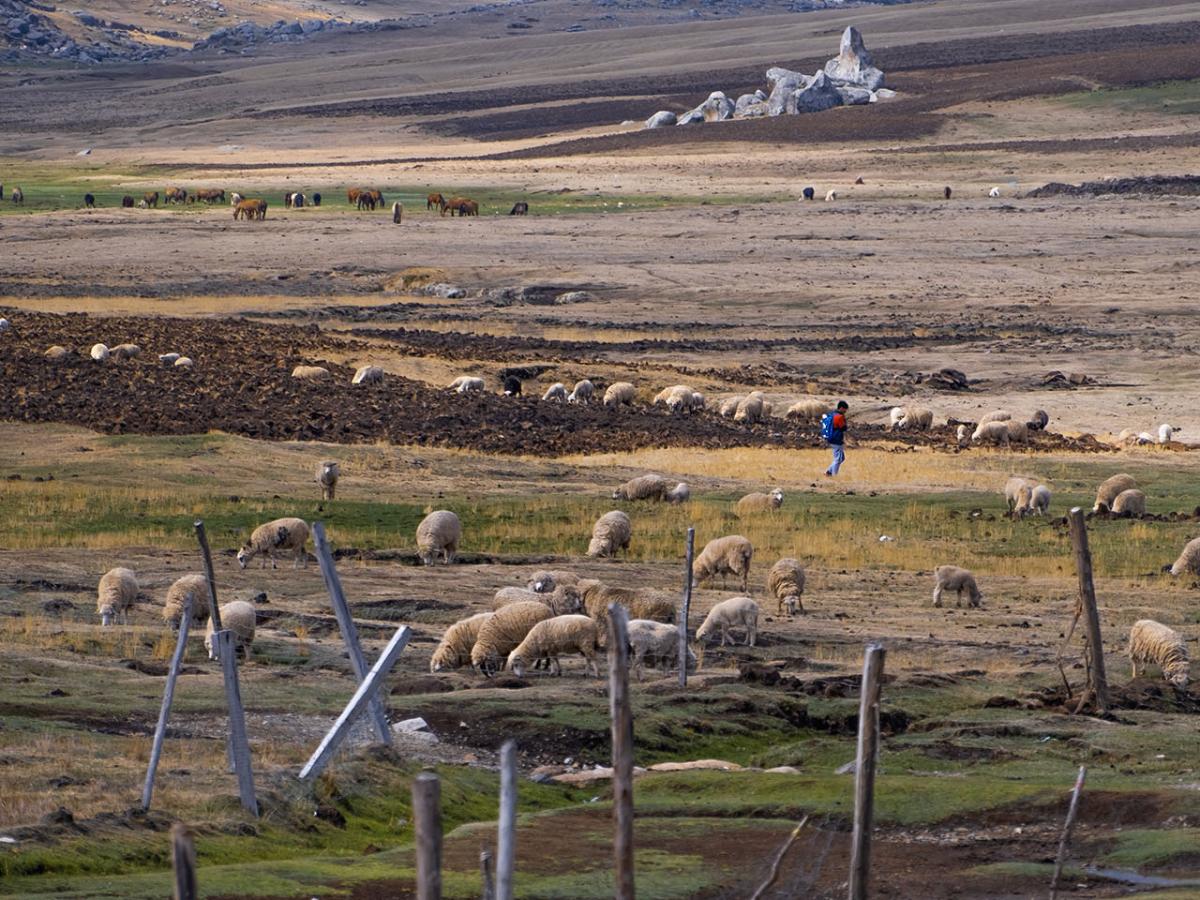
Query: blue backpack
{"type": "Point", "coordinates": [828, 432]}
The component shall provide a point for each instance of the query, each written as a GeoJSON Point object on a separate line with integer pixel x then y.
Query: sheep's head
{"type": "Point", "coordinates": [571, 602]}
{"type": "Point", "coordinates": [244, 555]}
{"type": "Point", "coordinates": [777, 497]}
{"type": "Point", "coordinates": [789, 603]}
{"type": "Point", "coordinates": [616, 495]}
{"type": "Point", "coordinates": [1177, 674]}
{"type": "Point", "coordinates": [516, 664]}
{"type": "Point", "coordinates": [106, 615]}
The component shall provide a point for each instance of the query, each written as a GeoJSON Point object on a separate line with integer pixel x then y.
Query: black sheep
{"type": "Point", "coordinates": [512, 386]}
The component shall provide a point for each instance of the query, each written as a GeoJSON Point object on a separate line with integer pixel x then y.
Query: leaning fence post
{"type": "Point", "coordinates": [1068, 827]}
{"type": "Point", "coordinates": [183, 862]}
{"type": "Point", "coordinates": [214, 610]}
{"type": "Point", "coordinates": [160, 730]}
{"type": "Point", "coordinates": [341, 609]}
{"type": "Point", "coordinates": [687, 606]}
{"type": "Point", "coordinates": [506, 836]}
{"type": "Point", "coordinates": [239, 744]}
{"type": "Point", "coordinates": [1087, 597]}
{"type": "Point", "coordinates": [427, 816]}
{"type": "Point", "coordinates": [622, 749]}
{"type": "Point", "coordinates": [864, 773]}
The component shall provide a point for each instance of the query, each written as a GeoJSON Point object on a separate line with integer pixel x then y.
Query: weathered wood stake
{"type": "Point", "coordinates": [864, 774]}
{"type": "Point", "coordinates": [427, 817]}
{"type": "Point", "coordinates": [341, 609]}
{"type": "Point", "coordinates": [622, 749]}
{"type": "Point", "coordinates": [160, 730]}
{"type": "Point", "coordinates": [1068, 827]}
{"type": "Point", "coordinates": [485, 874]}
{"type": "Point", "coordinates": [183, 862]}
{"type": "Point", "coordinates": [506, 836]}
{"type": "Point", "coordinates": [225, 643]}
{"type": "Point", "coordinates": [1098, 680]}
{"type": "Point", "coordinates": [214, 610]}
{"type": "Point", "coordinates": [687, 606]}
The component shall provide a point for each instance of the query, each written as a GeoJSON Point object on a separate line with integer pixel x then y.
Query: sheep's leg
{"type": "Point", "coordinates": [1133, 661]}
{"type": "Point", "coordinates": [937, 596]}
{"type": "Point", "coordinates": [725, 635]}
{"type": "Point", "coordinates": [751, 634]}
{"type": "Point", "coordinates": [800, 603]}
{"type": "Point", "coordinates": [555, 666]}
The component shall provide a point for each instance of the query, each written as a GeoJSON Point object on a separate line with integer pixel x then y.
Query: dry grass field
{"type": "Point", "coordinates": [677, 256]}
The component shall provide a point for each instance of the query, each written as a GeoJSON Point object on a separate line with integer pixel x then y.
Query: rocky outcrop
{"type": "Point", "coordinates": [819, 94]}
{"type": "Point", "coordinates": [661, 118]}
{"type": "Point", "coordinates": [853, 64]}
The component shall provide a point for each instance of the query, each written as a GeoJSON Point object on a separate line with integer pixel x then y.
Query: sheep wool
{"type": "Point", "coordinates": [328, 474]}
{"type": "Point", "coordinates": [116, 593]}
{"type": "Point", "coordinates": [1189, 559]}
{"type": "Point", "coordinates": [751, 409]}
{"type": "Point", "coordinates": [999, 415]}
{"type": "Point", "coordinates": [465, 384]}
{"type": "Point", "coordinates": [275, 536]}
{"type": "Point", "coordinates": [551, 638]}
{"type": "Point", "coordinates": [1108, 490]}
{"type": "Point", "coordinates": [809, 410]}
{"type": "Point", "coordinates": [454, 649]}
{"type": "Point", "coordinates": [547, 580]}
{"type": "Point", "coordinates": [1153, 643]}
{"type": "Point", "coordinates": [310, 373]}
{"type": "Point", "coordinates": [736, 612]}
{"type": "Point", "coordinates": [239, 617]}
{"type": "Point", "coordinates": [1012, 490]}
{"type": "Point", "coordinates": [991, 433]}
{"type": "Point", "coordinates": [557, 392]}
{"type": "Point", "coordinates": [368, 375]}
{"type": "Point", "coordinates": [681, 493]}
{"type": "Point", "coordinates": [582, 392]}
{"type": "Point", "coordinates": [644, 487]}
{"type": "Point", "coordinates": [1129, 503]}
{"type": "Point", "coordinates": [193, 588]}
{"type": "Point", "coordinates": [729, 406]}
{"type": "Point", "coordinates": [785, 580]}
{"type": "Point", "coordinates": [563, 600]}
{"type": "Point", "coordinates": [99, 352]}
{"type": "Point", "coordinates": [914, 418]}
{"type": "Point", "coordinates": [620, 393]}
{"type": "Point", "coordinates": [503, 632]}
{"type": "Point", "coordinates": [728, 555]}
{"type": "Point", "coordinates": [759, 503]}
{"type": "Point", "coordinates": [439, 534]}
{"type": "Point", "coordinates": [953, 578]}
{"type": "Point", "coordinates": [611, 534]}
{"type": "Point", "coordinates": [656, 641]}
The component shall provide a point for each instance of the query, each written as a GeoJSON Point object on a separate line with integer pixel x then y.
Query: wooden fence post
{"type": "Point", "coordinates": [687, 606]}
{"type": "Point", "coordinates": [427, 817]}
{"type": "Point", "coordinates": [341, 609]}
{"type": "Point", "coordinates": [506, 836]}
{"type": "Point", "coordinates": [214, 609]}
{"type": "Point", "coordinates": [622, 749]}
{"type": "Point", "coordinates": [225, 642]}
{"type": "Point", "coordinates": [864, 774]}
{"type": "Point", "coordinates": [183, 862]}
{"type": "Point", "coordinates": [160, 730]}
{"type": "Point", "coordinates": [1068, 827]}
{"type": "Point", "coordinates": [1087, 596]}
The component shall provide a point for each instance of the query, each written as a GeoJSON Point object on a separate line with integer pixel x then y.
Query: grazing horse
{"type": "Point", "coordinates": [377, 197]}
{"type": "Point", "coordinates": [151, 198]}
{"type": "Point", "coordinates": [366, 201]}
{"type": "Point", "coordinates": [175, 195]}
{"type": "Point", "coordinates": [397, 212]}
{"type": "Point", "coordinates": [316, 199]}
{"type": "Point", "coordinates": [287, 200]}
{"type": "Point", "coordinates": [127, 202]}
{"type": "Point", "coordinates": [452, 204]}
{"type": "Point", "coordinates": [434, 200]}
{"type": "Point", "coordinates": [250, 209]}
{"type": "Point", "coordinates": [89, 201]}
{"type": "Point", "coordinates": [352, 196]}
{"type": "Point", "coordinates": [297, 201]}
{"type": "Point", "coordinates": [18, 195]}
{"type": "Point", "coordinates": [520, 208]}
{"type": "Point", "coordinates": [468, 208]}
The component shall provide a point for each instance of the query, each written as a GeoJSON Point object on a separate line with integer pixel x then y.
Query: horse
{"type": "Point", "coordinates": [352, 195]}
{"type": "Point", "coordinates": [946, 192]}
{"type": "Point", "coordinates": [89, 201]}
{"type": "Point", "coordinates": [520, 208]}
{"type": "Point", "coordinates": [316, 199]}
{"type": "Point", "coordinates": [151, 198]}
{"type": "Point", "coordinates": [127, 202]}
{"type": "Point", "coordinates": [18, 196]}
{"type": "Point", "coordinates": [468, 208]}
{"type": "Point", "coordinates": [452, 204]}
{"type": "Point", "coordinates": [434, 200]}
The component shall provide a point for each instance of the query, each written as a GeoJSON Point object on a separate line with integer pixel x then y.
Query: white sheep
{"type": "Point", "coordinates": [503, 632]}
{"type": "Point", "coordinates": [732, 613]}
{"type": "Point", "coordinates": [785, 580]}
{"type": "Point", "coordinates": [681, 493]}
{"type": "Point", "coordinates": [757, 502]}
{"type": "Point", "coordinates": [914, 418]}
{"type": "Point", "coordinates": [288, 533]}
{"type": "Point", "coordinates": [545, 581]}
{"type": "Point", "coordinates": [657, 641]}
{"type": "Point", "coordinates": [125, 351]}
{"type": "Point", "coordinates": [1154, 643]}
{"type": "Point", "coordinates": [1012, 490]}
{"type": "Point", "coordinates": [239, 617]}
{"type": "Point", "coordinates": [751, 409]}
{"type": "Point", "coordinates": [551, 638]}
{"type": "Point", "coordinates": [563, 600]}
{"type": "Point", "coordinates": [953, 578]}
{"type": "Point", "coordinates": [728, 555]}
{"type": "Point", "coordinates": [308, 373]}
{"type": "Point", "coordinates": [557, 392]}
{"type": "Point", "coordinates": [582, 392]}
{"type": "Point", "coordinates": [994, 192]}
{"type": "Point", "coordinates": [991, 433]}
{"type": "Point", "coordinates": [189, 587]}
{"type": "Point", "coordinates": [1165, 433]}
{"type": "Point", "coordinates": [644, 487]}
{"type": "Point", "coordinates": [1189, 559]}
{"type": "Point", "coordinates": [466, 384]}
{"type": "Point", "coordinates": [454, 649]}
{"type": "Point", "coordinates": [679, 398]}
{"type": "Point", "coordinates": [439, 534]}
{"type": "Point", "coordinates": [328, 474]}
{"type": "Point", "coordinates": [99, 352]}
{"type": "Point", "coordinates": [895, 414]}
{"type": "Point", "coordinates": [620, 393]}
{"type": "Point", "coordinates": [116, 593]}
{"type": "Point", "coordinates": [1109, 488]}
{"type": "Point", "coordinates": [368, 375]}
{"type": "Point", "coordinates": [728, 407]}
{"type": "Point", "coordinates": [1129, 503]}
{"type": "Point", "coordinates": [168, 359]}
{"type": "Point", "coordinates": [830, 196]}
{"type": "Point", "coordinates": [961, 434]}
{"type": "Point", "coordinates": [1032, 498]}
{"type": "Point", "coordinates": [1018, 432]}
{"type": "Point", "coordinates": [808, 410]}
{"type": "Point", "coordinates": [611, 534]}
{"type": "Point", "coordinates": [183, 363]}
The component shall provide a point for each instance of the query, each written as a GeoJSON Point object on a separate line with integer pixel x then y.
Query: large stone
{"type": "Point", "coordinates": [853, 64]}
{"type": "Point", "coordinates": [784, 83]}
{"type": "Point", "coordinates": [820, 94]}
{"type": "Point", "coordinates": [661, 118]}
{"type": "Point", "coordinates": [854, 96]}
{"type": "Point", "coordinates": [691, 118]}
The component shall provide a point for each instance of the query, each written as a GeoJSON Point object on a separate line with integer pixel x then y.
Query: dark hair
{"type": "Point", "coordinates": [842, 404]}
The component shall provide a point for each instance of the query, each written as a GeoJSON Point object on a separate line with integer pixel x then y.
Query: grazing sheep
{"type": "Point", "coordinates": [551, 638]}
{"type": "Point", "coordinates": [116, 593]}
{"type": "Point", "coordinates": [678, 398]}
{"type": "Point", "coordinates": [914, 418]}
{"type": "Point", "coordinates": [557, 393]}
{"type": "Point", "coordinates": [1032, 498]}
{"type": "Point", "coordinates": [808, 410]}
{"type": "Point", "coordinates": [786, 581]}
{"type": "Point", "coordinates": [57, 354]}
{"type": "Point", "coordinates": [1108, 490]}
{"type": "Point", "coordinates": [125, 351]}
{"type": "Point", "coordinates": [1153, 643]}
{"type": "Point", "coordinates": [1012, 489]}
{"type": "Point", "coordinates": [454, 649]}
{"type": "Point", "coordinates": [310, 373]}
{"type": "Point", "coordinates": [239, 617]}
{"type": "Point", "coordinates": [168, 359]}
{"type": "Point", "coordinates": [1165, 433]}
{"type": "Point", "coordinates": [610, 534]}
{"type": "Point", "coordinates": [895, 414]}
{"type": "Point", "coordinates": [830, 195]}
{"type": "Point", "coordinates": [644, 487]}
{"type": "Point", "coordinates": [1039, 421]}
{"type": "Point", "coordinates": [465, 384]}
{"type": "Point", "coordinates": [728, 555]}
{"type": "Point", "coordinates": [504, 631]}
{"type": "Point", "coordinates": [189, 587]}
{"type": "Point", "coordinates": [582, 392]}
{"type": "Point", "coordinates": [563, 600]}
{"type": "Point", "coordinates": [328, 474]}
{"type": "Point", "coordinates": [544, 581]}
{"type": "Point", "coordinates": [1128, 436]}
{"type": "Point", "coordinates": [732, 613]}
{"type": "Point", "coordinates": [1130, 503]}
{"type": "Point", "coordinates": [439, 533]}
{"type": "Point", "coordinates": [512, 386]}
{"type": "Point", "coordinates": [952, 578]}
{"type": "Point", "coordinates": [751, 409]}
{"type": "Point", "coordinates": [681, 493]}
{"type": "Point", "coordinates": [397, 212]}
{"type": "Point", "coordinates": [1018, 432]}
{"type": "Point", "coordinates": [288, 533]}
{"type": "Point", "coordinates": [757, 502]}
{"type": "Point", "coordinates": [183, 363]}
{"type": "Point", "coordinates": [597, 597]}
{"type": "Point", "coordinates": [991, 433]}
{"type": "Point", "coordinates": [994, 192]}
{"type": "Point", "coordinates": [620, 393]}
{"type": "Point", "coordinates": [729, 406]}
{"type": "Point", "coordinates": [1040, 500]}
{"type": "Point", "coordinates": [656, 641]}
{"type": "Point", "coordinates": [1189, 559]}
{"type": "Point", "coordinates": [368, 375]}
{"type": "Point", "coordinates": [99, 352]}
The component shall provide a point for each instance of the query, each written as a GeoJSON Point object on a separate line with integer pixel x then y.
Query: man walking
{"type": "Point", "coordinates": [833, 430]}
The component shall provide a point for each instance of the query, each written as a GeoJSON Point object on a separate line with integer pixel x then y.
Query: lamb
{"type": "Point", "coordinates": [189, 587]}
{"type": "Point", "coordinates": [1189, 559]}
{"type": "Point", "coordinates": [991, 433]}
{"type": "Point", "coordinates": [757, 502]}
{"type": "Point", "coordinates": [1154, 643]}
{"type": "Point", "coordinates": [582, 392]}
{"type": "Point", "coordinates": [916, 418]}
{"type": "Point", "coordinates": [563, 600]}
{"type": "Point", "coordinates": [328, 474]}
{"type": "Point", "coordinates": [368, 375]}
{"type": "Point", "coordinates": [116, 593]}
{"type": "Point", "coordinates": [439, 533]}
{"type": "Point", "coordinates": [952, 578]}
{"type": "Point", "coordinates": [751, 409]}
{"type": "Point", "coordinates": [1108, 490]}
{"type": "Point", "coordinates": [1039, 421]}
{"type": "Point", "coordinates": [994, 192]}
{"type": "Point", "coordinates": [786, 581]}
{"type": "Point", "coordinates": [544, 581]}
{"type": "Point", "coordinates": [894, 416]}
{"type": "Point", "coordinates": [125, 351]}
{"type": "Point", "coordinates": [644, 487]}
{"type": "Point", "coordinates": [512, 386]}
{"type": "Point", "coordinates": [656, 640]}
{"type": "Point", "coordinates": [620, 393]}
{"type": "Point", "coordinates": [731, 613]}
{"type": "Point", "coordinates": [1040, 501]}
{"type": "Point", "coordinates": [557, 392]}
{"type": "Point", "coordinates": [99, 352]}
{"type": "Point", "coordinates": [729, 555]}
{"type": "Point", "coordinates": [610, 534]}
{"type": "Point", "coordinates": [553, 637]}
{"type": "Point", "coordinates": [465, 384]}
{"type": "Point", "coordinates": [279, 534]}
{"type": "Point", "coordinates": [729, 406]}
{"type": "Point", "coordinates": [1032, 498]}
{"type": "Point", "coordinates": [504, 631]}
{"type": "Point", "coordinates": [961, 434]}
{"type": "Point", "coordinates": [1130, 503]}
{"type": "Point", "coordinates": [454, 649]}
{"type": "Point", "coordinates": [830, 196]}
{"type": "Point", "coordinates": [809, 410]}
{"type": "Point", "coordinates": [239, 617]}
{"type": "Point", "coordinates": [1165, 433]}
{"type": "Point", "coordinates": [309, 373]}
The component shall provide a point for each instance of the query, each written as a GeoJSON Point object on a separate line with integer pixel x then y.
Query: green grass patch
{"type": "Point", "coordinates": [1177, 98]}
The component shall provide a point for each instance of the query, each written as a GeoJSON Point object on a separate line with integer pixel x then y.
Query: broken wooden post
{"type": "Point", "coordinates": [864, 774]}
{"type": "Point", "coordinates": [506, 836]}
{"type": "Point", "coordinates": [341, 609]}
{"type": "Point", "coordinates": [160, 730]}
{"type": "Point", "coordinates": [357, 704]}
{"type": "Point", "coordinates": [183, 863]}
{"type": "Point", "coordinates": [225, 644]}
{"type": "Point", "coordinates": [427, 818]}
{"type": "Point", "coordinates": [1098, 680]}
{"type": "Point", "coordinates": [687, 606]}
{"type": "Point", "coordinates": [214, 611]}
{"type": "Point", "coordinates": [622, 749]}
{"type": "Point", "coordinates": [1068, 827]}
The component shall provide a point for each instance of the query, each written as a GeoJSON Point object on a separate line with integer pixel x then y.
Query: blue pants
{"type": "Point", "coordinates": [839, 457]}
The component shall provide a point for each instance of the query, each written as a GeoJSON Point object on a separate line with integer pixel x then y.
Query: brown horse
{"type": "Point", "coordinates": [435, 200]}
{"type": "Point", "coordinates": [174, 195]}
{"type": "Point", "coordinates": [452, 204]}
{"type": "Point", "coordinates": [352, 195]}
{"type": "Point", "coordinates": [468, 208]}
{"type": "Point", "coordinates": [250, 209]}
{"type": "Point", "coordinates": [151, 198]}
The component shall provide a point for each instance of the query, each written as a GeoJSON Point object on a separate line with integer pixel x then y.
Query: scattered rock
{"type": "Point", "coordinates": [661, 118]}
{"type": "Point", "coordinates": [696, 764]}
{"type": "Point", "coordinates": [410, 725]}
